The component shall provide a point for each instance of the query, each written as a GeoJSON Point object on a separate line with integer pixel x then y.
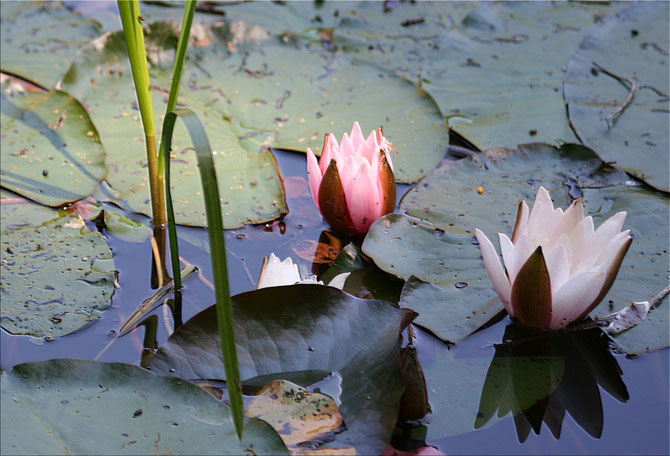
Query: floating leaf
{"type": "Point", "coordinates": [56, 278]}
{"type": "Point", "coordinates": [39, 39]}
{"type": "Point", "coordinates": [631, 45]}
{"type": "Point", "coordinates": [56, 407]}
{"type": "Point", "coordinates": [302, 328]}
{"type": "Point", "coordinates": [300, 417]}
{"type": "Point", "coordinates": [51, 152]}
{"type": "Point", "coordinates": [249, 182]}
{"type": "Point", "coordinates": [496, 76]}
{"type": "Point", "coordinates": [18, 212]}
{"type": "Point", "coordinates": [302, 92]}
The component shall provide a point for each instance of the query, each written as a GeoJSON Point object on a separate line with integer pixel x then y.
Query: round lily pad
{"type": "Point", "coordinates": [249, 181]}
{"type": "Point", "coordinates": [56, 278]}
{"type": "Point", "coordinates": [39, 39]}
{"type": "Point", "coordinates": [57, 407]}
{"type": "Point", "coordinates": [51, 152]}
{"type": "Point", "coordinates": [629, 47]}
{"type": "Point", "coordinates": [496, 74]}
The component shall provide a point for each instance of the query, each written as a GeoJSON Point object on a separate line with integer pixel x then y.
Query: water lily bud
{"type": "Point", "coordinates": [353, 184]}
{"type": "Point", "coordinates": [277, 273]}
{"type": "Point", "coordinates": [557, 267]}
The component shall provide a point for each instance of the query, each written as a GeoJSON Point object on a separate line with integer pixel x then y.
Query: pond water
{"type": "Point", "coordinates": [629, 416]}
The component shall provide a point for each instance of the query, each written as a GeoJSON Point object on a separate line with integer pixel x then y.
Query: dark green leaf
{"type": "Point", "coordinates": [298, 328]}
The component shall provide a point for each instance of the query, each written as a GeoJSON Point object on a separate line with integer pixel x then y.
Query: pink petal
{"type": "Point", "coordinates": [496, 272]}
{"type": "Point", "coordinates": [357, 137]}
{"type": "Point", "coordinates": [330, 148]}
{"type": "Point", "coordinates": [574, 297]}
{"type": "Point", "coordinates": [363, 199]}
{"type": "Point", "coordinates": [314, 174]}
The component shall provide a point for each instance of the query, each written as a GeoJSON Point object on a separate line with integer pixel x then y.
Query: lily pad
{"type": "Point", "coordinates": [51, 152]}
{"type": "Point", "coordinates": [644, 271]}
{"type": "Point", "coordinates": [302, 328]}
{"type": "Point", "coordinates": [17, 212]}
{"type": "Point", "coordinates": [453, 296]}
{"type": "Point", "coordinates": [496, 75]}
{"type": "Point", "coordinates": [445, 252]}
{"type": "Point", "coordinates": [301, 92]}
{"type": "Point", "coordinates": [56, 278]}
{"type": "Point", "coordinates": [56, 407]}
{"type": "Point", "coordinates": [249, 181]}
{"type": "Point", "coordinates": [39, 39]}
{"type": "Point", "coordinates": [630, 45]}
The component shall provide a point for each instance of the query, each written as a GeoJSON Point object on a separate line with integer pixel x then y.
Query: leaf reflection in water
{"type": "Point", "coordinates": [538, 376]}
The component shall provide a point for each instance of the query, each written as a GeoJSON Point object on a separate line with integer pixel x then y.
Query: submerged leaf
{"type": "Point", "coordinates": [300, 417]}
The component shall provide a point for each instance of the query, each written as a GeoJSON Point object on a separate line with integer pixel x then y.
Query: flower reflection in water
{"type": "Point", "coordinates": [538, 376]}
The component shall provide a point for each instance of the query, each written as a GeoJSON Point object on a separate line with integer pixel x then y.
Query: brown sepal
{"type": "Point", "coordinates": [414, 401]}
{"type": "Point", "coordinates": [333, 203]}
{"type": "Point", "coordinates": [387, 180]}
{"type": "Point", "coordinates": [531, 293]}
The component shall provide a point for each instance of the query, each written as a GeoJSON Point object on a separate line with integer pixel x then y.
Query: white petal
{"type": "Point", "coordinates": [558, 266]}
{"type": "Point", "coordinates": [338, 280]}
{"type": "Point", "coordinates": [492, 262]}
{"type": "Point", "coordinates": [610, 250]}
{"type": "Point", "coordinates": [568, 221]}
{"type": "Point", "coordinates": [574, 297]}
{"type": "Point", "coordinates": [275, 273]}
{"type": "Point", "coordinates": [515, 255]}
{"type": "Point", "coordinates": [521, 225]}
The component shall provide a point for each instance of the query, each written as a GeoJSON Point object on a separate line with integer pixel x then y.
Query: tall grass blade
{"type": "Point", "coordinates": [224, 310]}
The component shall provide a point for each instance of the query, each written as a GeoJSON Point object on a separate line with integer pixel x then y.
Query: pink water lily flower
{"type": "Point", "coordinates": [353, 184]}
{"type": "Point", "coordinates": [557, 267]}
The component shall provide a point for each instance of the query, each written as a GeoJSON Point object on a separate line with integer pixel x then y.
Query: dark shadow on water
{"type": "Point", "coordinates": [538, 377]}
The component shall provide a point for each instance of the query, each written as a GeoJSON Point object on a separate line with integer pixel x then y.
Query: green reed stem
{"type": "Point", "coordinates": [132, 29]}
{"type": "Point", "coordinates": [224, 309]}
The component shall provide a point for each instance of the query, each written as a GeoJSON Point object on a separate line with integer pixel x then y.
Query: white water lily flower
{"type": "Point", "coordinates": [276, 273]}
{"type": "Point", "coordinates": [557, 267]}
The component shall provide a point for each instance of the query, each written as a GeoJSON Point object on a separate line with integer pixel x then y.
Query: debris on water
{"type": "Point", "coordinates": [137, 413]}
